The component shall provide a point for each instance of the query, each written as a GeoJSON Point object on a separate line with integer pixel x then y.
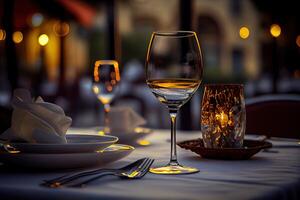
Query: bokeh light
{"type": "Point", "coordinates": [244, 32]}
{"type": "Point", "coordinates": [101, 132]}
{"type": "Point", "coordinates": [2, 34]}
{"type": "Point", "coordinates": [143, 142]}
{"type": "Point", "coordinates": [17, 37]}
{"type": "Point", "coordinates": [43, 39]}
{"type": "Point", "coordinates": [61, 28]}
{"type": "Point", "coordinates": [298, 40]}
{"type": "Point", "coordinates": [275, 30]}
{"type": "Point", "coordinates": [37, 19]}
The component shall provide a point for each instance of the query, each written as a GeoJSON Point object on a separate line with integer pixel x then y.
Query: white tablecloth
{"type": "Point", "coordinates": [265, 176]}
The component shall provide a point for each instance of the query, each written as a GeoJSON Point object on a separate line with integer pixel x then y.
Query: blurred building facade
{"type": "Point", "coordinates": [234, 35]}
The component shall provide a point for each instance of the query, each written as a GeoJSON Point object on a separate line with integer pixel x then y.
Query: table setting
{"type": "Point", "coordinates": [37, 138]}
{"type": "Point", "coordinates": [43, 157]}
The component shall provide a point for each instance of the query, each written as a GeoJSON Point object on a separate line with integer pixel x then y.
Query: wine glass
{"type": "Point", "coordinates": [174, 72]}
{"type": "Point", "coordinates": [105, 81]}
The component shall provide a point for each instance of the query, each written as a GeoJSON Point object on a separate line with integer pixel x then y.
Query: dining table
{"type": "Point", "coordinates": [271, 174]}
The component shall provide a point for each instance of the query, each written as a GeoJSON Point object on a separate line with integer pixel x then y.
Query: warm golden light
{"type": "Point", "coordinates": [61, 28]}
{"type": "Point", "coordinates": [222, 118]}
{"type": "Point", "coordinates": [17, 37]}
{"type": "Point", "coordinates": [101, 133]}
{"type": "Point", "coordinates": [98, 63]}
{"type": "Point", "coordinates": [96, 90]}
{"type": "Point", "coordinates": [244, 32]}
{"type": "Point", "coordinates": [275, 30]}
{"type": "Point", "coordinates": [143, 142]}
{"type": "Point", "coordinates": [2, 34]}
{"type": "Point", "coordinates": [223, 115]}
{"type": "Point", "coordinates": [298, 40]}
{"type": "Point", "coordinates": [43, 39]}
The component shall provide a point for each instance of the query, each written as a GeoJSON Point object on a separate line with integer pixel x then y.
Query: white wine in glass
{"type": "Point", "coordinates": [105, 82]}
{"type": "Point", "coordinates": [174, 72]}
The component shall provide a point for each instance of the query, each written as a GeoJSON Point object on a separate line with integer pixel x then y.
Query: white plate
{"type": "Point", "coordinates": [76, 144]}
{"type": "Point", "coordinates": [66, 161]}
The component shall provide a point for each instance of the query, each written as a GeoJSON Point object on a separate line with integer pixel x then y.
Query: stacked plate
{"type": "Point", "coordinates": [131, 138]}
{"type": "Point", "coordinates": [79, 151]}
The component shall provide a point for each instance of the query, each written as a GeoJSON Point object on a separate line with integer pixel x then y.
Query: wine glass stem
{"type": "Point", "coordinates": [106, 119]}
{"type": "Point", "coordinates": [173, 115]}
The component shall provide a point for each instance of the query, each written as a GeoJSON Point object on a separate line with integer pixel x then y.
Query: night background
{"type": "Point", "coordinates": [50, 47]}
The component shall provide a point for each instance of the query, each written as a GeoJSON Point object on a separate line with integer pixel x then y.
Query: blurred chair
{"type": "Point", "coordinates": [5, 118]}
{"type": "Point", "coordinates": [274, 115]}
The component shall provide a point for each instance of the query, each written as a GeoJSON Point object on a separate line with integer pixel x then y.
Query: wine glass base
{"type": "Point", "coordinates": [174, 169]}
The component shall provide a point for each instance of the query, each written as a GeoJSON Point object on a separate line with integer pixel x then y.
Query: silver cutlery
{"type": "Point", "coordinates": [76, 175]}
{"type": "Point", "coordinates": [135, 173]}
{"type": "Point", "coordinates": [134, 170]}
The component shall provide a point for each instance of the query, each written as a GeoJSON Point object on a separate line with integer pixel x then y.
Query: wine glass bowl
{"type": "Point", "coordinates": [106, 77]}
{"type": "Point", "coordinates": [174, 72]}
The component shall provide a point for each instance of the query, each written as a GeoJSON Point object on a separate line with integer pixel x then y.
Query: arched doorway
{"type": "Point", "coordinates": [210, 35]}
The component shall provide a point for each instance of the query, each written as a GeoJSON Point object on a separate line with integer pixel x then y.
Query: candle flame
{"type": "Point", "coordinates": [222, 118]}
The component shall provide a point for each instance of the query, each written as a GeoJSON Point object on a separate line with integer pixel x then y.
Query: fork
{"type": "Point", "coordinates": [69, 177]}
{"type": "Point", "coordinates": [134, 173]}
{"type": "Point", "coordinates": [62, 180]}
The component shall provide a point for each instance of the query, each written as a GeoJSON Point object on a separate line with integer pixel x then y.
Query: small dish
{"type": "Point", "coordinates": [76, 144]}
{"type": "Point", "coordinates": [132, 137]}
{"type": "Point", "coordinates": [250, 148]}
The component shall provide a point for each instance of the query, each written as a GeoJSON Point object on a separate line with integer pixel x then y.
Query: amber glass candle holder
{"type": "Point", "coordinates": [223, 116]}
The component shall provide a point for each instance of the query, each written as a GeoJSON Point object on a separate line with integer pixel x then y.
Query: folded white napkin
{"type": "Point", "coordinates": [124, 120]}
{"type": "Point", "coordinates": [36, 121]}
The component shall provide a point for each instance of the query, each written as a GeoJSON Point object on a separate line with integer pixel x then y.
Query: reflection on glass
{"type": "Point", "coordinates": [174, 72]}
{"type": "Point", "coordinates": [105, 81]}
{"type": "Point", "coordinates": [223, 116]}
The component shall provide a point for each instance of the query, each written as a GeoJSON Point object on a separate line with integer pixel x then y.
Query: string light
{"type": "Point", "coordinates": [17, 37]}
{"type": "Point", "coordinates": [275, 30]}
{"type": "Point", "coordinates": [2, 34]}
{"type": "Point", "coordinates": [244, 32]}
{"type": "Point", "coordinates": [43, 39]}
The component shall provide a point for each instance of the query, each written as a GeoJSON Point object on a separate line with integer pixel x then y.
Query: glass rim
{"type": "Point", "coordinates": [177, 34]}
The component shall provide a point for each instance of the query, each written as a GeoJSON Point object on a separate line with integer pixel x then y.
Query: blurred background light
{"type": "Point", "coordinates": [37, 19]}
{"type": "Point", "coordinates": [275, 30]}
{"type": "Point", "coordinates": [244, 32]}
{"type": "Point", "coordinates": [143, 142]}
{"type": "Point", "coordinates": [298, 40]}
{"type": "Point", "coordinates": [43, 39]}
{"type": "Point", "coordinates": [17, 37]}
{"type": "Point", "coordinates": [238, 47]}
{"type": "Point", "coordinates": [61, 28]}
{"type": "Point", "coordinates": [2, 34]}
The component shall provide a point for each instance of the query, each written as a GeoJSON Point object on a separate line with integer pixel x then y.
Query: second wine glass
{"type": "Point", "coordinates": [105, 81]}
{"type": "Point", "coordinates": [174, 72]}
